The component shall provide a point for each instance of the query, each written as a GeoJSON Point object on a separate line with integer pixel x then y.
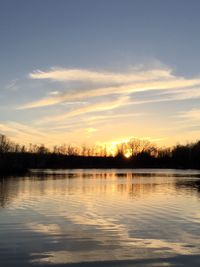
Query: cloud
{"type": "Point", "coordinates": [54, 93]}
{"type": "Point", "coordinates": [187, 122]}
{"type": "Point", "coordinates": [12, 85]}
{"type": "Point", "coordinates": [26, 134]}
{"type": "Point", "coordinates": [128, 83]}
{"type": "Point", "coordinates": [23, 134]}
{"type": "Point", "coordinates": [93, 120]}
{"type": "Point", "coordinates": [66, 75]}
{"type": "Point", "coordinates": [191, 115]}
{"type": "Point", "coordinates": [166, 96]}
{"type": "Point", "coordinates": [89, 108]}
{"type": "Point", "coordinates": [84, 100]}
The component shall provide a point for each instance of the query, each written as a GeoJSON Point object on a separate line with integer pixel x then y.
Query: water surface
{"type": "Point", "coordinates": [100, 218]}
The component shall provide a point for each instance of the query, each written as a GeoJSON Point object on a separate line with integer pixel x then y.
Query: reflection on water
{"type": "Point", "coordinates": [109, 218]}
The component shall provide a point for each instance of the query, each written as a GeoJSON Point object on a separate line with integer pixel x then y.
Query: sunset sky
{"type": "Point", "coordinates": [100, 71]}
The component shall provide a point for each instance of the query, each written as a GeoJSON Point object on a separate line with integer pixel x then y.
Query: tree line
{"type": "Point", "coordinates": [135, 153]}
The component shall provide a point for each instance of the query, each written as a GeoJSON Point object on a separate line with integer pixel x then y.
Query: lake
{"type": "Point", "coordinates": [100, 218]}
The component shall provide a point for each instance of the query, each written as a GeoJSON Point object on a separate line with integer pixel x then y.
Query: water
{"type": "Point", "coordinates": [100, 218]}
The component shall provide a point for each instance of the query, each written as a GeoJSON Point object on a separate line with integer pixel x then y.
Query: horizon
{"type": "Point", "coordinates": [100, 72]}
{"type": "Point", "coordinates": [129, 148]}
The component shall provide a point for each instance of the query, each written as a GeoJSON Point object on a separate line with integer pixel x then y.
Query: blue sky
{"type": "Point", "coordinates": [99, 71]}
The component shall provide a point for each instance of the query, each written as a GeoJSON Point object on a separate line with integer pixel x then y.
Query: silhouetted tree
{"type": "Point", "coordinates": [15, 158]}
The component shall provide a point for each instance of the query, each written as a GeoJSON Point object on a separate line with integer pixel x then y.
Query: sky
{"type": "Point", "coordinates": [100, 72]}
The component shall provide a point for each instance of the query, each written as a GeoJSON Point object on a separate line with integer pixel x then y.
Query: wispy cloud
{"type": "Point", "coordinates": [91, 108]}
{"type": "Point", "coordinates": [66, 75]}
{"type": "Point", "coordinates": [12, 85]}
{"type": "Point", "coordinates": [84, 101]}
{"type": "Point", "coordinates": [191, 115]}
{"type": "Point", "coordinates": [22, 133]}
{"type": "Point", "coordinates": [26, 134]}
{"type": "Point", "coordinates": [93, 120]}
{"type": "Point", "coordinates": [169, 96]}
{"type": "Point", "coordinates": [116, 84]}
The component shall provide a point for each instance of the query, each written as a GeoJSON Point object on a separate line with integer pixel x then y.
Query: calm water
{"type": "Point", "coordinates": [100, 218]}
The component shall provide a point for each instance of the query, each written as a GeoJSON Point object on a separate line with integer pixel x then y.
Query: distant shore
{"type": "Point", "coordinates": [21, 163]}
{"type": "Point", "coordinates": [17, 159]}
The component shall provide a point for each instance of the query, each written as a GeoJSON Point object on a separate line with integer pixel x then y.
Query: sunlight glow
{"type": "Point", "coordinates": [127, 154]}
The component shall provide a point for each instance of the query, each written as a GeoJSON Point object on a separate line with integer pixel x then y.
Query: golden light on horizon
{"type": "Point", "coordinates": [127, 154]}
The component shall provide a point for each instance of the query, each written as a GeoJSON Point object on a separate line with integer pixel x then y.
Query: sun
{"type": "Point", "coordinates": [127, 155]}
